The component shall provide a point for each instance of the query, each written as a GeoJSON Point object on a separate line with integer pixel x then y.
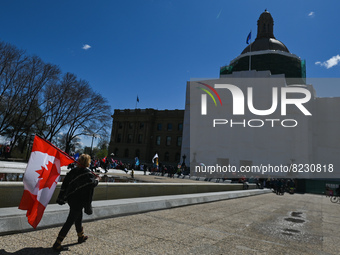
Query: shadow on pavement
{"type": "Point", "coordinates": [36, 250]}
{"type": "Point", "coordinates": [29, 251]}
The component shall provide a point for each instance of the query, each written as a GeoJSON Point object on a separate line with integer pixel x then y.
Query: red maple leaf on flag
{"type": "Point", "coordinates": [34, 200]}
{"type": "Point", "coordinates": [47, 175]}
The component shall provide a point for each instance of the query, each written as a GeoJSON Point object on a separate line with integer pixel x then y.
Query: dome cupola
{"type": "Point", "coordinates": [265, 39]}
{"type": "Point", "coordinates": [267, 53]}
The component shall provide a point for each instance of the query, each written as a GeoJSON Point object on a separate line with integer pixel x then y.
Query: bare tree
{"type": "Point", "coordinates": [60, 141]}
{"type": "Point", "coordinates": [35, 98]}
{"type": "Point", "coordinates": [92, 111]}
{"type": "Point", "coordinates": [22, 79]}
{"type": "Point", "coordinates": [70, 105]}
{"type": "Point", "coordinates": [12, 62]}
{"type": "Point", "coordinates": [60, 103]}
{"type": "Point", "coordinates": [25, 104]}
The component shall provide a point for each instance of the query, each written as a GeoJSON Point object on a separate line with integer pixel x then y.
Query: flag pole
{"type": "Point", "coordinates": [250, 53]}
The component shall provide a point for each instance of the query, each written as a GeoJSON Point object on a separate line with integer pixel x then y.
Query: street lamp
{"type": "Point", "coordinates": [93, 136]}
{"type": "Point", "coordinates": [29, 145]}
{"type": "Point", "coordinates": [184, 157]}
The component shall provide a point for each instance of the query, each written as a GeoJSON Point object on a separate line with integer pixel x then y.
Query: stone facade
{"type": "Point", "coordinates": [144, 132]}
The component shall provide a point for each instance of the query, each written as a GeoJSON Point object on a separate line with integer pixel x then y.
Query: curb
{"type": "Point", "coordinates": [13, 220]}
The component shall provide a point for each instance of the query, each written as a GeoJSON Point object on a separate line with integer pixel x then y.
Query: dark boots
{"type": "Point", "coordinates": [81, 237]}
{"type": "Point", "coordinates": [57, 245]}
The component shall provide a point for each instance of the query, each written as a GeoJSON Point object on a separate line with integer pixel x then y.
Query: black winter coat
{"type": "Point", "coordinates": [77, 188]}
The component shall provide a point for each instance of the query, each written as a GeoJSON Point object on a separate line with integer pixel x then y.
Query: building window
{"type": "Point", "coordinates": [246, 163]}
{"type": "Point", "coordinates": [180, 126]}
{"type": "Point", "coordinates": [120, 125]}
{"type": "Point", "coordinates": [223, 161]}
{"type": "Point", "coordinates": [179, 140]}
{"type": "Point", "coordinates": [169, 127]}
{"type": "Point", "coordinates": [166, 156]}
{"type": "Point", "coordinates": [158, 140]}
{"type": "Point", "coordinates": [140, 138]}
{"type": "Point", "coordinates": [168, 140]}
{"type": "Point", "coordinates": [129, 138]}
{"type": "Point", "coordinates": [126, 153]}
{"type": "Point", "coordinates": [159, 126]}
{"type": "Point", "coordinates": [141, 125]}
{"type": "Point", "coordinates": [130, 125]}
{"type": "Point", "coordinates": [178, 157]}
{"type": "Point", "coordinates": [119, 138]}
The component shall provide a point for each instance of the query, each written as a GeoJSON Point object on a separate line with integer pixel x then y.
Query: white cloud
{"type": "Point", "coordinates": [218, 15]}
{"type": "Point", "coordinates": [86, 47]}
{"type": "Point", "coordinates": [311, 14]}
{"type": "Point", "coordinates": [333, 61]}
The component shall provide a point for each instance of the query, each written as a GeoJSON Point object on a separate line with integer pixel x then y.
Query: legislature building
{"type": "Point", "coordinates": [263, 115]}
{"type": "Point", "coordinates": [144, 132]}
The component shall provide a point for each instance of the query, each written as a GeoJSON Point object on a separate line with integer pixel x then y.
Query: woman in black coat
{"type": "Point", "coordinates": [76, 190]}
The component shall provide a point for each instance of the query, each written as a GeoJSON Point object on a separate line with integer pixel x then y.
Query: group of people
{"type": "Point", "coordinates": [105, 163]}
{"type": "Point", "coordinates": [171, 170]}
{"type": "Point", "coordinates": [5, 151]}
{"type": "Point", "coordinates": [280, 186]}
{"type": "Point", "coordinates": [330, 192]}
{"type": "Point", "coordinates": [108, 163]}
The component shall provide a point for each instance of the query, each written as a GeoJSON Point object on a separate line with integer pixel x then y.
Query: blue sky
{"type": "Point", "coordinates": [151, 48]}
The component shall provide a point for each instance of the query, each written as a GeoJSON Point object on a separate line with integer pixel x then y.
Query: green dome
{"type": "Point", "coordinates": [267, 53]}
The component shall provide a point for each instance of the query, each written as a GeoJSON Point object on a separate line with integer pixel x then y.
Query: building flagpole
{"type": "Point", "coordinates": [249, 36]}
{"type": "Point", "coordinates": [137, 101]}
{"type": "Point", "coordinates": [250, 58]}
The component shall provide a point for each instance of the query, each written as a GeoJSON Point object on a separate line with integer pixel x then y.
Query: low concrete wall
{"type": "Point", "coordinates": [13, 220]}
{"type": "Point", "coordinates": [11, 192]}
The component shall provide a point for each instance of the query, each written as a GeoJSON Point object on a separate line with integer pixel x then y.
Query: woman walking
{"type": "Point", "coordinates": [77, 191]}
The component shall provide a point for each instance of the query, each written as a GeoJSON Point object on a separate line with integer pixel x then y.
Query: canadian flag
{"type": "Point", "coordinates": [41, 177]}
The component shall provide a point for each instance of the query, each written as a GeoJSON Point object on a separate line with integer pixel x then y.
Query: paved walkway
{"type": "Point", "coordinates": [263, 224]}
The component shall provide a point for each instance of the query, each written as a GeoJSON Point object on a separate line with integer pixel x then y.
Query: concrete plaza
{"type": "Point", "coordinates": [262, 224]}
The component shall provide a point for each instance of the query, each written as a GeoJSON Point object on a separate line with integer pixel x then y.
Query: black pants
{"type": "Point", "coordinates": [75, 216]}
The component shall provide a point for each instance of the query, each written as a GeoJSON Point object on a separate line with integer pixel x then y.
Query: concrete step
{"type": "Point", "coordinates": [13, 220]}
